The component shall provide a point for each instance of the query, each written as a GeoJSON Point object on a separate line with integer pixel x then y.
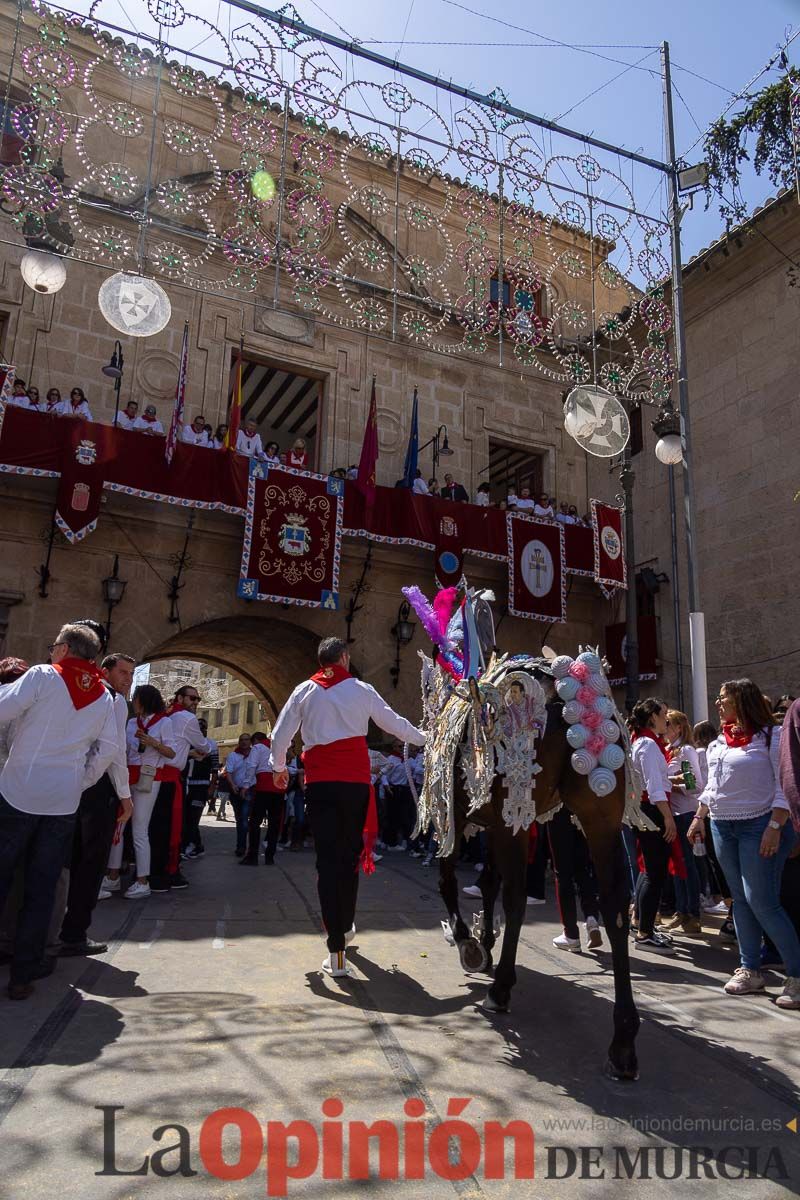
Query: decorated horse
{"type": "Point", "coordinates": [510, 740]}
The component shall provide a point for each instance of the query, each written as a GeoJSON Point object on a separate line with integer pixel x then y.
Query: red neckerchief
{"type": "Point", "coordinates": [654, 737]}
{"type": "Point", "coordinates": [742, 738]}
{"type": "Point", "coordinates": [328, 677]}
{"type": "Point", "coordinates": [297, 460]}
{"type": "Point", "coordinates": [150, 420]}
{"type": "Point", "coordinates": [78, 405]}
{"type": "Point", "coordinates": [144, 726]}
{"type": "Point", "coordinates": [244, 753]}
{"type": "Point", "coordinates": [36, 405]}
{"type": "Point", "coordinates": [82, 679]}
{"type": "Point", "coordinates": [52, 405]}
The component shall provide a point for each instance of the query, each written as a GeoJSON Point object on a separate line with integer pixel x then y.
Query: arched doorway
{"type": "Point", "coordinates": [271, 657]}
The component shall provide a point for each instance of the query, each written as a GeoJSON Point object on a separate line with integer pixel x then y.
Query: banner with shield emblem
{"type": "Point", "coordinates": [609, 558]}
{"type": "Point", "coordinates": [536, 568]}
{"type": "Point", "coordinates": [292, 537]}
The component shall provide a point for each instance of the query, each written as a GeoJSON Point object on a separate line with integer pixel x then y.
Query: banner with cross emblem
{"type": "Point", "coordinates": [536, 568]}
{"type": "Point", "coordinates": [292, 537]}
{"type": "Point", "coordinates": [609, 551]}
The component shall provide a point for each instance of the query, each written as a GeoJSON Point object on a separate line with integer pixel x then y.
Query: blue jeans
{"type": "Point", "coordinates": [241, 811]}
{"type": "Point", "coordinates": [755, 884]}
{"type": "Point", "coordinates": [687, 891]}
{"type": "Point", "coordinates": [44, 844]}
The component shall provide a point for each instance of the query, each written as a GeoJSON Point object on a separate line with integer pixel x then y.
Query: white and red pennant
{"type": "Point", "coordinates": [609, 556]}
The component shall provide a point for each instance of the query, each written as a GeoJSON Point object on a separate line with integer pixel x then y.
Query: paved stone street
{"type": "Point", "coordinates": [213, 998]}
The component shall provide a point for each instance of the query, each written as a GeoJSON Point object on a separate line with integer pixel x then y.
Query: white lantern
{"type": "Point", "coordinates": [43, 272]}
{"type": "Point", "coordinates": [669, 450]}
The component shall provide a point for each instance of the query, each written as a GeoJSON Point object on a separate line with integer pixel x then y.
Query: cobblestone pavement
{"type": "Point", "coordinates": [213, 998]}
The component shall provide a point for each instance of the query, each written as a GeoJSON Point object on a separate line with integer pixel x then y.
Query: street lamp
{"type": "Point", "coordinates": [441, 448]}
{"type": "Point", "coordinates": [114, 371]}
{"type": "Point", "coordinates": [667, 428]}
{"type": "Point", "coordinates": [402, 631]}
{"type": "Point", "coordinates": [113, 591]}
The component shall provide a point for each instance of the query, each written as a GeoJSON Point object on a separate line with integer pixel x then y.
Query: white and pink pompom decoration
{"type": "Point", "coordinates": [583, 762]}
{"type": "Point", "coordinates": [577, 735]}
{"type": "Point", "coordinates": [602, 781]}
{"type": "Point", "coordinates": [568, 688]}
{"type": "Point", "coordinates": [599, 685]}
{"type": "Point", "coordinates": [591, 660]}
{"type": "Point", "coordinates": [560, 666]}
{"type": "Point", "coordinates": [610, 731]}
{"type": "Point", "coordinates": [605, 706]}
{"type": "Point", "coordinates": [613, 756]}
{"type": "Point", "coordinates": [572, 712]}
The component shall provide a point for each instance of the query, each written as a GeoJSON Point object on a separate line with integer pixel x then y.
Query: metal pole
{"type": "Point", "coordinates": [627, 478]}
{"type": "Point", "coordinates": [676, 587]}
{"type": "Point", "coordinates": [696, 619]}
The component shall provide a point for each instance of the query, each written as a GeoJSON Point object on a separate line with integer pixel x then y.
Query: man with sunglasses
{"type": "Point", "coordinates": [166, 823]}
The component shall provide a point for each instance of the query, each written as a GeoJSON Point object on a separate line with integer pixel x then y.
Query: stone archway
{"type": "Point", "coordinates": [271, 657]}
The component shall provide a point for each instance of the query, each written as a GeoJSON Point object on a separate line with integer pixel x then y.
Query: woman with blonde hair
{"type": "Point", "coordinates": [686, 779]}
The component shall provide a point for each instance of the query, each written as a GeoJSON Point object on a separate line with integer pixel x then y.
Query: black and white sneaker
{"type": "Point", "coordinates": [177, 881]}
{"type": "Point", "coordinates": [657, 943]}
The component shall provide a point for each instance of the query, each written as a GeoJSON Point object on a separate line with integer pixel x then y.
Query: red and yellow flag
{"type": "Point", "coordinates": [235, 415]}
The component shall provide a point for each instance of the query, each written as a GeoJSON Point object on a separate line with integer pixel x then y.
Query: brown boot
{"type": "Point", "coordinates": [674, 922]}
{"type": "Point", "coordinates": [692, 927]}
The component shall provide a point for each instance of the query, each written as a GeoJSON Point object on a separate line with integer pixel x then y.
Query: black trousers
{"type": "Point", "coordinates": [42, 843]}
{"type": "Point", "coordinates": [159, 831]}
{"type": "Point", "coordinates": [573, 869]}
{"type": "Point", "coordinates": [655, 852]}
{"type": "Point", "coordinates": [194, 803]}
{"type": "Point", "coordinates": [270, 805]}
{"type": "Point", "coordinates": [336, 813]}
{"type": "Point", "coordinates": [95, 823]}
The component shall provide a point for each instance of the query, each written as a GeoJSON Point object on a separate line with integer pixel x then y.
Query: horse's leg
{"type": "Point", "coordinates": [601, 821]}
{"type": "Point", "coordinates": [490, 887]}
{"type": "Point", "coordinates": [448, 890]}
{"type": "Point", "coordinates": [511, 859]}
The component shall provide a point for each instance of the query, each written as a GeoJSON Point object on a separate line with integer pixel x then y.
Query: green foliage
{"type": "Point", "coordinates": [761, 134]}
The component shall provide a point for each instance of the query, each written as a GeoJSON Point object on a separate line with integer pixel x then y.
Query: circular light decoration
{"type": "Point", "coordinates": [596, 420]}
{"type": "Point", "coordinates": [134, 305]}
{"type": "Point", "coordinates": [669, 450]}
{"type": "Point", "coordinates": [262, 185]}
{"type": "Point", "coordinates": [43, 272]}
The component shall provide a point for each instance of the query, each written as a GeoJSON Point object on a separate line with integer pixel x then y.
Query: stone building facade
{"type": "Point", "coordinates": [743, 347]}
{"type": "Point", "coordinates": [503, 418]}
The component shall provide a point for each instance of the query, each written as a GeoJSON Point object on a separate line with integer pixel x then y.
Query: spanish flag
{"type": "Point", "coordinates": [235, 415]}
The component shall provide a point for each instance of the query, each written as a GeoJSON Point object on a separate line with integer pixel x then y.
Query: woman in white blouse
{"type": "Point", "coordinates": [683, 802]}
{"type": "Point", "coordinates": [651, 762]}
{"type": "Point", "coordinates": [151, 744]}
{"type": "Point", "coordinates": [752, 834]}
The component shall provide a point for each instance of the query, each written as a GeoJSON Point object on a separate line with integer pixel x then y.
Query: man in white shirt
{"type": "Point", "coordinates": [419, 486]}
{"type": "Point", "coordinates": [166, 823]}
{"type": "Point", "coordinates": [149, 422]}
{"type": "Point", "coordinates": [60, 710]}
{"type": "Point", "coordinates": [106, 798]}
{"type": "Point", "coordinates": [524, 501]}
{"type": "Point", "coordinates": [19, 394]}
{"type": "Point", "coordinates": [332, 711]}
{"type": "Point", "coordinates": [128, 418]}
{"type": "Point", "coordinates": [240, 768]}
{"type": "Point", "coordinates": [543, 508]}
{"type": "Point", "coordinates": [248, 441]}
{"type": "Point", "coordinates": [195, 434]}
{"type": "Point", "coordinates": [563, 514]}
{"type": "Point", "coordinates": [399, 807]}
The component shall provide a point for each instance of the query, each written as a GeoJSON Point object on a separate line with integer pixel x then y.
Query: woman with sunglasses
{"type": "Point", "coordinates": [53, 401]}
{"type": "Point", "coordinates": [687, 785]}
{"type": "Point", "coordinates": [77, 405]}
{"type": "Point", "coordinates": [752, 834]}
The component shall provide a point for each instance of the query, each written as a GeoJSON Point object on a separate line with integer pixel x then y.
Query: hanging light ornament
{"type": "Point", "coordinates": [667, 426]}
{"type": "Point", "coordinates": [134, 305]}
{"type": "Point", "coordinates": [43, 272]}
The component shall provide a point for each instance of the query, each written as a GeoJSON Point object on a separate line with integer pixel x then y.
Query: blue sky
{"type": "Point", "coordinates": [726, 41]}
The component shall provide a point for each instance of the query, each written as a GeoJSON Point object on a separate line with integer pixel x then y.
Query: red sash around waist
{"type": "Point", "coordinates": [266, 783]}
{"type": "Point", "coordinates": [345, 761]}
{"type": "Point", "coordinates": [163, 774]}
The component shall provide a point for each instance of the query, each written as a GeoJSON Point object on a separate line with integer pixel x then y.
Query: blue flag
{"type": "Point", "coordinates": [412, 453]}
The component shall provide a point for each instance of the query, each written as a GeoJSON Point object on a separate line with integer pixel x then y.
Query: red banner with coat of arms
{"type": "Point", "coordinates": [292, 537]}
{"type": "Point", "coordinates": [609, 554]}
{"type": "Point", "coordinates": [87, 452]}
{"type": "Point", "coordinates": [536, 568]}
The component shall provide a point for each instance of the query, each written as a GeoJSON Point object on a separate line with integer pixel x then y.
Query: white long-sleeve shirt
{"type": "Point", "coordinates": [65, 409]}
{"type": "Point", "coordinates": [126, 422]}
{"type": "Point", "coordinates": [261, 758]}
{"type": "Point", "coordinates": [743, 781]}
{"type": "Point", "coordinates": [652, 769]}
{"type": "Point", "coordinates": [187, 736]}
{"type": "Point", "coordinates": [240, 770]}
{"type": "Point", "coordinates": [682, 800]}
{"type": "Point", "coordinates": [46, 768]}
{"type": "Point", "coordinates": [394, 773]}
{"type": "Point", "coordinates": [118, 768]}
{"type": "Point", "coordinates": [162, 731]}
{"type": "Point", "coordinates": [249, 446]}
{"type": "Point", "coordinates": [142, 425]}
{"type": "Point", "coordinates": [326, 715]}
{"type": "Point", "coordinates": [193, 438]}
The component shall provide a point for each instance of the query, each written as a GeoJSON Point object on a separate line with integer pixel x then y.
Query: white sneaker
{"type": "Point", "coordinates": [535, 900]}
{"type": "Point", "coordinates": [562, 942]}
{"type": "Point", "coordinates": [336, 965]}
{"type": "Point", "coordinates": [717, 910]}
{"type": "Point", "coordinates": [398, 849]}
{"type": "Point", "coordinates": [103, 894]}
{"type": "Point", "coordinates": [473, 890]}
{"type": "Point", "coordinates": [593, 933]}
{"type": "Point", "coordinates": [376, 857]}
{"type": "Point", "coordinates": [137, 891]}
{"type": "Point", "coordinates": [348, 937]}
{"type": "Point", "coordinates": [111, 885]}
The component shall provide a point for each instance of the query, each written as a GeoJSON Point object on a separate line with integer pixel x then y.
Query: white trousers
{"type": "Point", "coordinates": [143, 804]}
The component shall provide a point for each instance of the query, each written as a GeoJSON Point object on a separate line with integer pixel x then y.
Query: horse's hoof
{"type": "Point", "coordinates": [493, 1005]}
{"type": "Point", "coordinates": [473, 955]}
{"type": "Point", "coordinates": [620, 1074]}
